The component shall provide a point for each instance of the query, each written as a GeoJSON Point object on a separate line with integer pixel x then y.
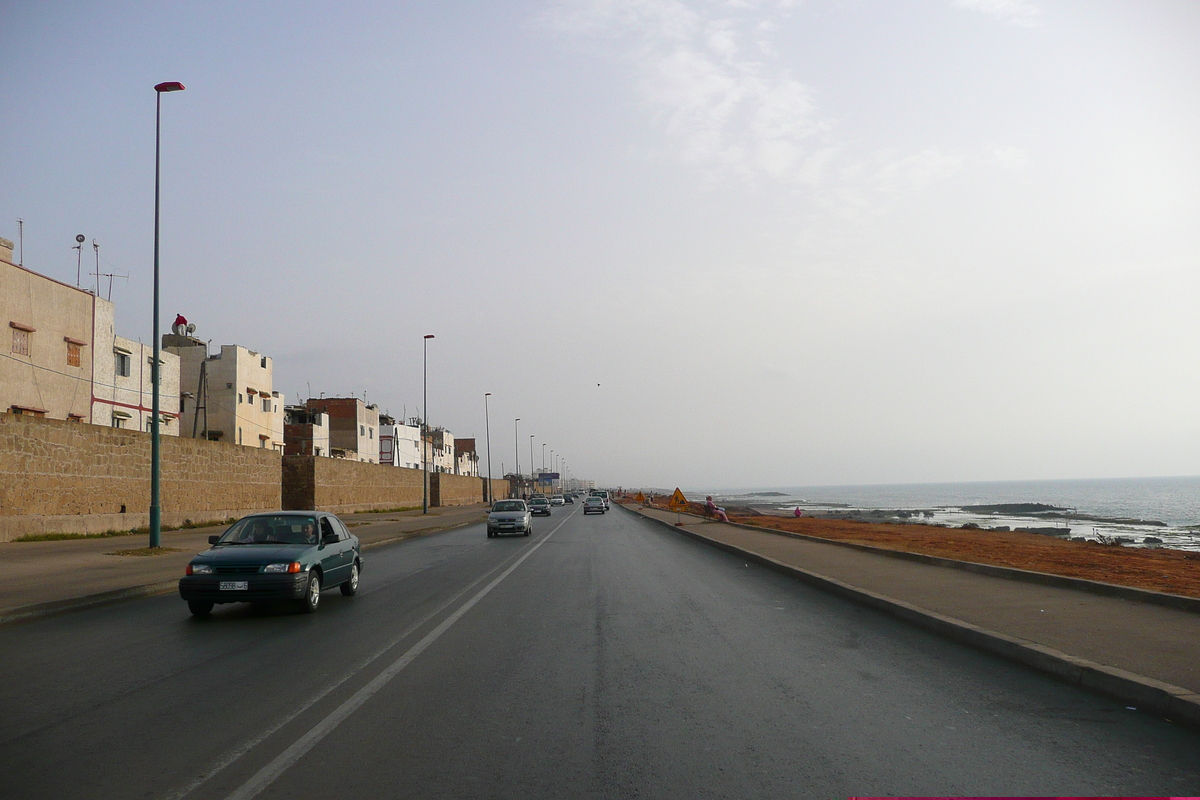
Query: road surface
{"type": "Point", "coordinates": [603, 657]}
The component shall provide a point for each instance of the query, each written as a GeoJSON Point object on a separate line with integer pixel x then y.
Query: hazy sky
{"type": "Point", "coordinates": [689, 243]}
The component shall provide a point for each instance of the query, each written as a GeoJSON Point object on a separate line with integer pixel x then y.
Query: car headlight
{"type": "Point", "coordinates": [199, 569]}
{"type": "Point", "coordinates": [291, 567]}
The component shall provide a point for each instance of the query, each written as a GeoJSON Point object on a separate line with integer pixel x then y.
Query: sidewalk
{"type": "Point", "coordinates": [43, 578]}
{"type": "Point", "coordinates": [1143, 653]}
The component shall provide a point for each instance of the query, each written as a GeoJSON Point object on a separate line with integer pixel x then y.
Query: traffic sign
{"type": "Point", "coordinates": [678, 501]}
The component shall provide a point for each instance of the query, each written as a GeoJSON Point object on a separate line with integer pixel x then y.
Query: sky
{"type": "Point", "coordinates": [726, 243]}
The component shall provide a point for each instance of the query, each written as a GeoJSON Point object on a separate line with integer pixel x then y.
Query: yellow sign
{"type": "Point", "coordinates": [641, 498]}
{"type": "Point", "coordinates": [678, 501]}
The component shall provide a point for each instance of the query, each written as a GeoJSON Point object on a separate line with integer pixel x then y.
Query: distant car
{"type": "Point", "coordinates": [558, 500]}
{"type": "Point", "coordinates": [594, 503]}
{"type": "Point", "coordinates": [603, 495]}
{"type": "Point", "coordinates": [539, 505]}
{"type": "Point", "coordinates": [282, 555]}
{"type": "Point", "coordinates": [536, 494]}
{"type": "Point", "coordinates": [509, 516]}
{"type": "Point", "coordinates": [569, 499]}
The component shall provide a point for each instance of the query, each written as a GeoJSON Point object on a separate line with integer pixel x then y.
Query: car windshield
{"type": "Point", "coordinates": [538, 501]}
{"type": "Point", "coordinates": [272, 529]}
{"type": "Point", "coordinates": [509, 505]}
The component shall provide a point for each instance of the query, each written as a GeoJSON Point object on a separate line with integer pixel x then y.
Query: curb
{"type": "Point", "coordinates": [24, 613]}
{"type": "Point", "coordinates": [1181, 602]}
{"type": "Point", "coordinates": [56, 607]}
{"type": "Point", "coordinates": [1174, 702]}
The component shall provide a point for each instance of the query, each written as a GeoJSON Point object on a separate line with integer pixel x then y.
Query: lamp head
{"type": "Point", "coordinates": [429, 336]}
{"type": "Point", "coordinates": [169, 86]}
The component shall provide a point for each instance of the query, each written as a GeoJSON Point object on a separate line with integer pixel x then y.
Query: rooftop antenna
{"type": "Point", "coordinates": [21, 239]}
{"type": "Point", "coordinates": [78, 248]}
{"type": "Point", "coordinates": [96, 247]}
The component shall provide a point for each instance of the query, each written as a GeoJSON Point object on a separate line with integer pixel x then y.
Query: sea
{"type": "Point", "coordinates": [1174, 502]}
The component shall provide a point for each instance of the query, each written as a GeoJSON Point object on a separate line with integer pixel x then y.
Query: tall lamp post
{"type": "Point", "coordinates": [531, 482]}
{"type": "Point", "coordinates": [487, 427]}
{"type": "Point", "coordinates": [155, 453]}
{"type": "Point", "coordinates": [517, 451]}
{"type": "Point", "coordinates": [424, 445]}
{"type": "Point", "coordinates": [552, 467]}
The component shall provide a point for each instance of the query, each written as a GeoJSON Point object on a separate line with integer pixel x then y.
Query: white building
{"type": "Point", "coordinates": [65, 361]}
{"type": "Point", "coordinates": [230, 396]}
{"type": "Point", "coordinates": [399, 444]}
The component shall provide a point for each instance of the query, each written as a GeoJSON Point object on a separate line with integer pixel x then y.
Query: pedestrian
{"type": "Point", "coordinates": [797, 512]}
{"type": "Point", "coordinates": [714, 510]}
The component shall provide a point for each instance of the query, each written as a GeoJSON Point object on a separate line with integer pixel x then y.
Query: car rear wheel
{"type": "Point", "coordinates": [312, 595]}
{"type": "Point", "coordinates": [201, 608]}
{"type": "Point", "coordinates": [350, 587]}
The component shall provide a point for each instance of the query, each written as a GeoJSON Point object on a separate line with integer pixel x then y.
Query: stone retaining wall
{"type": "Point", "coordinates": [343, 486]}
{"type": "Point", "coordinates": [71, 477]}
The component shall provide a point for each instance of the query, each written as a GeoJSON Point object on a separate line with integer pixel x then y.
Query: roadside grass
{"type": "Point", "coordinates": [389, 510]}
{"type": "Point", "coordinates": [145, 551]}
{"type": "Point", "coordinates": [109, 534]}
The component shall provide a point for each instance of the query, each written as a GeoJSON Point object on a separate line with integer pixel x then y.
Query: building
{"type": "Point", "coordinates": [353, 427]}
{"type": "Point", "coordinates": [440, 453]}
{"type": "Point", "coordinates": [62, 358]}
{"type": "Point", "coordinates": [466, 460]}
{"type": "Point", "coordinates": [399, 444]}
{"type": "Point", "coordinates": [305, 432]}
{"type": "Point", "coordinates": [230, 396]}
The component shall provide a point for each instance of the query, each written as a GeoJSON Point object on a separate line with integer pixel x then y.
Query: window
{"type": "Point", "coordinates": [362, 430]}
{"type": "Point", "coordinates": [239, 435]}
{"type": "Point", "coordinates": [73, 354]}
{"type": "Point", "coordinates": [117, 422]}
{"type": "Point", "coordinates": [266, 405]}
{"type": "Point", "coordinates": [263, 362]}
{"type": "Point", "coordinates": [122, 364]}
{"type": "Point", "coordinates": [20, 342]}
{"type": "Point", "coordinates": [239, 398]}
{"type": "Point", "coordinates": [370, 433]}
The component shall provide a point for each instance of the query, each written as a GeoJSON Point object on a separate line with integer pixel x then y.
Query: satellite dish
{"type": "Point", "coordinates": [191, 328]}
{"type": "Point", "coordinates": [80, 238]}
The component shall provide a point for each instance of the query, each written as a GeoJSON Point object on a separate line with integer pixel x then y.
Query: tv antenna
{"type": "Point", "coordinates": [21, 241]}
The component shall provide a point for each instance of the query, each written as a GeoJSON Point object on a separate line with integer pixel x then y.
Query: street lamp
{"type": "Point", "coordinates": [517, 451]}
{"type": "Point", "coordinates": [531, 482]}
{"type": "Point", "coordinates": [487, 427]}
{"type": "Point", "coordinates": [155, 453]}
{"type": "Point", "coordinates": [424, 446]}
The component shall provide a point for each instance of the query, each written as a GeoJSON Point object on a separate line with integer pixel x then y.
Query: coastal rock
{"type": "Point", "coordinates": [1047, 531]}
{"type": "Point", "coordinates": [970, 526]}
{"type": "Point", "coordinates": [1002, 528]}
{"type": "Point", "coordinates": [1152, 540]}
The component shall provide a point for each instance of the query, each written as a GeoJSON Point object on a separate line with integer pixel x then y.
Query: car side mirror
{"type": "Point", "coordinates": [216, 537]}
{"type": "Point", "coordinates": [329, 538]}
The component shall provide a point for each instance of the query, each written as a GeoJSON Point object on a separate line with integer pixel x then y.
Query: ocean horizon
{"type": "Point", "coordinates": [1172, 501]}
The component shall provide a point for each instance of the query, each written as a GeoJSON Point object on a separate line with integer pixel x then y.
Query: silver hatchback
{"type": "Point", "coordinates": [509, 516]}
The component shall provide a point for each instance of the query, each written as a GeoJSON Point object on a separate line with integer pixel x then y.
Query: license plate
{"type": "Point", "coordinates": [507, 527]}
{"type": "Point", "coordinates": [232, 586]}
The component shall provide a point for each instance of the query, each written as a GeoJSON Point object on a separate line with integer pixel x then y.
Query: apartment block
{"type": "Point", "coordinates": [353, 427]}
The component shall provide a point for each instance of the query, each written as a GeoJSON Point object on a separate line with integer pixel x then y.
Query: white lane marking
{"type": "Point", "coordinates": [271, 772]}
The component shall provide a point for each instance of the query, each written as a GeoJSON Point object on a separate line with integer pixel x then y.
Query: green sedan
{"type": "Point", "coordinates": [282, 555]}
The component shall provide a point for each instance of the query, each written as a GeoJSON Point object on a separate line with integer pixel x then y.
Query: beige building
{"type": "Point", "coordinates": [62, 358]}
{"type": "Point", "coordinates": [353, 427]}
{"type": "Point", "coordinates": [227, 397]}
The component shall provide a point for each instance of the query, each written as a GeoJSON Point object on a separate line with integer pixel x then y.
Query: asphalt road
{"type": "Point", "coordinates": [602, 657]}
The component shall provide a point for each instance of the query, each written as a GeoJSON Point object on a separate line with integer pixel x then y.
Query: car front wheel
{"type": "Point", "coordinates": [350, 587]}
{"type": "Point", "coordinates": [312, 595]}
{"type": "Point", "coordinates": [200, 608]}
